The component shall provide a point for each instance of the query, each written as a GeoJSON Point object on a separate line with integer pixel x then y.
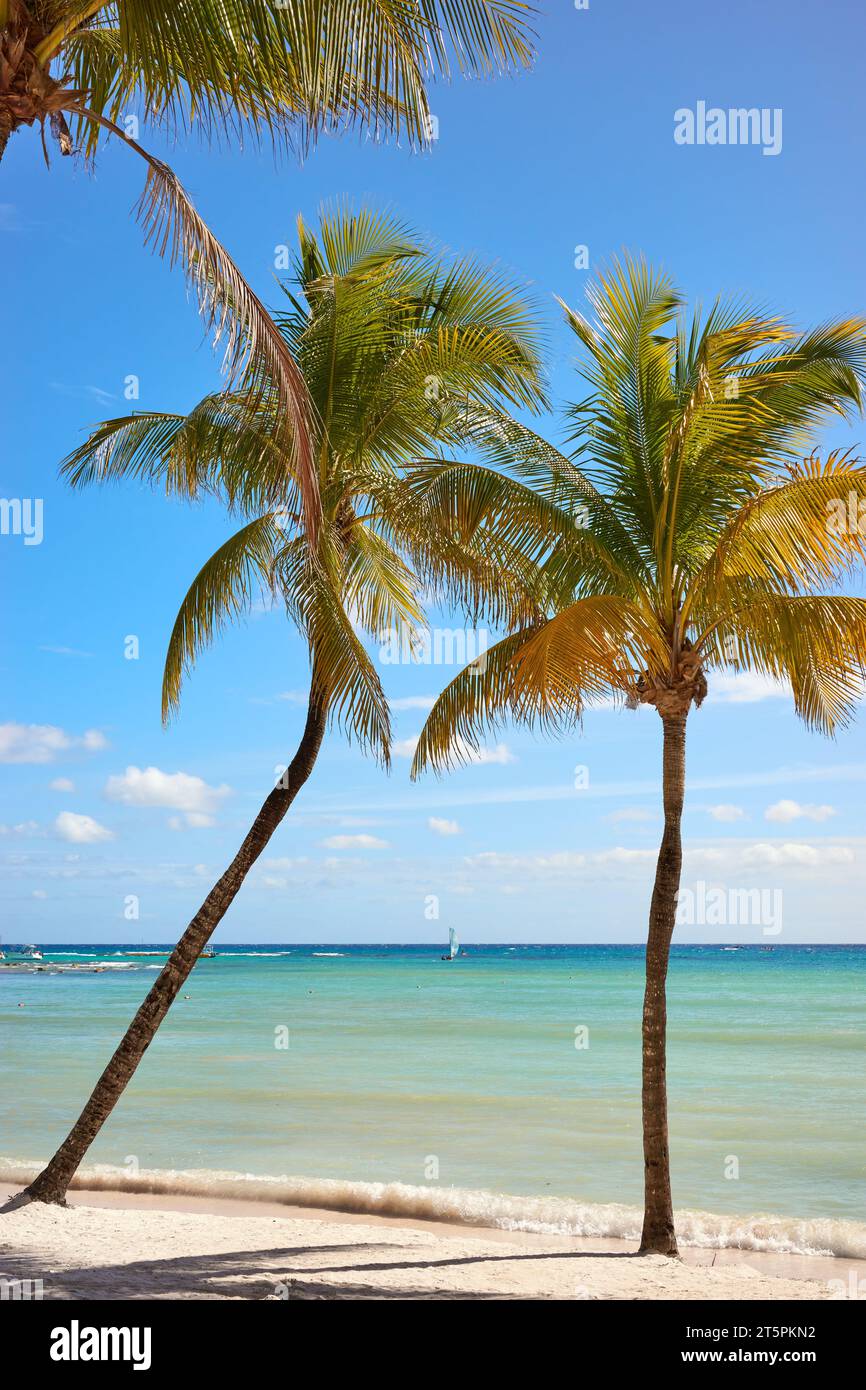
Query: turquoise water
{"type": "Point", "coordinates": [464, 1078]}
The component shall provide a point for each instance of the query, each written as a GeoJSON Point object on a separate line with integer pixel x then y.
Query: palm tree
{"type": "Point", "coordinates": [235, 68]}
{"type": "Point", "coordinates": [685, 533]}
{"type": "Point", "coordinates": [389, 336]}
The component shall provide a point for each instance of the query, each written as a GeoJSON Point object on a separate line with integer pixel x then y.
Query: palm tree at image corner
{"type": "Point", "coordinates": [690, 530]}
{"type": "Point", "coordinates": [236, 70]}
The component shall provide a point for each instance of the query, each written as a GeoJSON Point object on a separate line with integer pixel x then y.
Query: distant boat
{"type": "Point", "coordinates": [453, 945]}
{"type": "Point", "coordinates": [31, 953]}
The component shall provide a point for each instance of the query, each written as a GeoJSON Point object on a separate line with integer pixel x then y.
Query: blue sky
{"type": "Point", "coordinates": [579, 152]}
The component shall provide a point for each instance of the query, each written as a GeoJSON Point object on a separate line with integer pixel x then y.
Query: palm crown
{"type": "Point", "coordinates": [686, 530]}
{"type": "Point", "coordinates": [390, 337]}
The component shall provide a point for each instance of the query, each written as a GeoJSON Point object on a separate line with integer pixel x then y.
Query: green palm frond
{"type": "Point", "coordinates": [235, 68]}
{"type": "Point", "coordinates": [223, 590]}
{"type": "Point", "coordinates": [224, 447]}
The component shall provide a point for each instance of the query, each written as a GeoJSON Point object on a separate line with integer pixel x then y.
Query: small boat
{"type": "Point", "coordinates": [453, 945]}
{"type": "Point", "coordinates": [31, 953]}
{"type": "Point", "coordinates": [207, 954]}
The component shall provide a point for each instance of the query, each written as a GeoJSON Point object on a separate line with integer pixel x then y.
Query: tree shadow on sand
{"type": "Point", "coordinates": [240, 1275]}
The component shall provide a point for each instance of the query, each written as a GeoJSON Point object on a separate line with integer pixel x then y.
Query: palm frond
{"type": "Point", "coordinates": [222, 591]}
{"type": "Point", "coordinates": [816, 643]}
{"type": "Point", "coordinates": [479, 699]}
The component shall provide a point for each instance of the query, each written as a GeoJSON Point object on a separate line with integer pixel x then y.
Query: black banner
{"type": "Point", "coordinates": [81, 1339]}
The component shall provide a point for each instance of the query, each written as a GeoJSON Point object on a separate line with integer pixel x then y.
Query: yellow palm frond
{"type": "Point", "coordinates": [817, 644]}
{"type": "Point", "coordinates": [596, 647]}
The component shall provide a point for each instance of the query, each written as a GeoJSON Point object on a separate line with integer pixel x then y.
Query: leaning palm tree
{"type": "Point", "coordinates": [683, 534]}
{"type": "Point", "coordinates": [390, 338]}
{"type": "Point", "coordinates": [236, 68]}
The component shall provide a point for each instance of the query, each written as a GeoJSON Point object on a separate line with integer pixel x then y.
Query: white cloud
{"type": "Point", "coordinates": [193, 820]}
{"type": "Point", "coordinates": [724, 857]}
{"type": "Point", "coordinates": [80, 830]}
{"type": "Point", "coordinates": [177, 791]}
{"type": "Point", "coordinates": [9, 218]}
{"type": "Point", "coordinates": [726, 813]}
{"type": "Point", "coordinates": [62, 784]}
{"type": "Point", "coordinates": [354, 842]}
{"type": "Point", "coordinates": [25, 828]}
{"type": "Point", "coordinates": [42, 743]}
{"type": "Point", "coordinates": [632, 813]}
{"type": "Point", "coordinates": [780, 854]}
{"type": "Point", "coordinates": [440, 826]}
{"type": "Point", "coordinates": [425, 702]}
{"type": "Point", "coordinates": [39, 893]}
{"type": "Point", "coordinates": [288, 697]}
{"type": "Point", "coordinates": [502, 754]}
{"type": "Point", "coordinates": [786, 811]}
{"type": "Point", "coordinates": [560, 861]}
{"type": "Point", "coordinates": [745, 688]}
{"type": "Point", "coordinates": [405, 747]}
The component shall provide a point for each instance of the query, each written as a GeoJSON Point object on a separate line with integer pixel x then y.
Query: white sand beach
{"type": "Point", "coordinates": [127, 1246]}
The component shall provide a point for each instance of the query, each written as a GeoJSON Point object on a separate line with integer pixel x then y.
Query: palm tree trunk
{"type": "Point", "coordinates": [658, 1224]}
{"type": "Point", "coordinates": [52, 1183]}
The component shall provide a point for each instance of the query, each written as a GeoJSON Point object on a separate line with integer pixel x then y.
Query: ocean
{"type": "Point", "coordinates": [502, 1089]}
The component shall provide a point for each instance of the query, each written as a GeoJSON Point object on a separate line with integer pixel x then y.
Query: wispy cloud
{"type": "Point", "coordinates": [26, 829]}
{"type": "Point", "coordinates": [424, 702]}
{"type": "Point", "coordinates": [501, 754]}
{"type": "Point", "coordinates": [354, 842]}
{"type": "Point", "coordinates": [288, 697]}
{"type": "Point", "coordinates": [65, 651]}
{"type": "Point", "coordinates": [726, 813]}
{"type": "Point", "coordinates": [744, 688]}
{"type": "Point", "coordinates": [786, 811]}
{"type": "Point", "coordinates": [440, 826]}
{"type": "Point", "coordinates": [44, 743]}
{"type": "Point", "coordinates": [84, 392]}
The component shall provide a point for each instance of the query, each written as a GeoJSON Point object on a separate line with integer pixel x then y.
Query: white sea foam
{"type": "Point", "coordinates": [542, 1215]}
{"type": "Point", "coordinates": [341, 954]}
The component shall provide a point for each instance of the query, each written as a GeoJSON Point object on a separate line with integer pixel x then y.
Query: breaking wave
{"type": "Point", "coordinates": [541, 1215]}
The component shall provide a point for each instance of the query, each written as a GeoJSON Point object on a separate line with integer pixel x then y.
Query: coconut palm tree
{"type": "Point", "coordinates": [390, 337]}
{"type": "Point", "coordinates": [236, 68]}
{"type": "Point", "coordinates": [683, 534]}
